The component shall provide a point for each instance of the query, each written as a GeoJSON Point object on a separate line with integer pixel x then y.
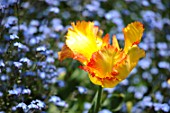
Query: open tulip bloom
{"type": "Point", "coordinates": [107, 64]}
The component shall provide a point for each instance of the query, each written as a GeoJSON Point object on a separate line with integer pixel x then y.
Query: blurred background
{"type": "Point", "coordinates": [33, 80]}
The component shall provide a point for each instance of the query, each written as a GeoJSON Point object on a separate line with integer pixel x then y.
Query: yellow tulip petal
{"type": "Point", "coordinates": [106, 40]}
{"type": "Point", "coordinates": [104, 82]}
{"type": "Point", "coordinates": [102, 62]}
{"type": "Point", "coordinates": [101, 66]}
{"type": "Point", "coordinates": [133, 34]}
{"type": "Point", "coordinates": [109, 66]}
{"type": "Point", "coordinates": [67, 53]}
{"type": "Point", "coordinates": [124, 68]}
{"type": "Point", "coordinates": [81, 39]}
{"type": "Point", "coordinates": [115, 42]}
{"type": "Point", "coordinates": [98, 31]}
{"type": "Point", "coordinates": [95, 80]}
{"type": "Point", "coordinates": [134, 54]}
{"type": "Point", "coordinates": [110, 83]}
{"type": "Point", "coordinates": [101, 42]}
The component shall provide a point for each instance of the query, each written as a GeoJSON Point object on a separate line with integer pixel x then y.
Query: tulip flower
{"type": "Point", "coordinates": [107, 64]}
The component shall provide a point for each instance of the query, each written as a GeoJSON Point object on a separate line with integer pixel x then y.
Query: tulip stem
{"type": "Point", "coordinates": [98, 100]}
{"type": "Point", "coordinates": [95, 106]}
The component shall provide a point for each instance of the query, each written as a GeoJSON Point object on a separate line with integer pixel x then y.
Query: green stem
{"type": "Point", "coordinates": [98, 101]}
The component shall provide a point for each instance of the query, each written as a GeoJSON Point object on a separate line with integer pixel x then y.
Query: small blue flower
{"type": "Point", "coordinates": [54, 35]}
{"type": "Point", "coordinates": [9, 21]}
{"type": "Point", "coordinates": [147, 76]}
{"type": "Point", "coordinates": [112, 14]}
{"type": "Point", "coordinates": [49, 52]}
{"type": "Point", "coordinates": [21, 46]}
{"type": "Point", "coordinates": [60, 45]}
{"type": "Point", "coordinates": [4, 77]}
{"type": "Point", "coordinates": [87, 106]}
{"type": "Point", "coordinates": [50, 59]}
{"type": "Point", "coordinates": [82, 90]}
{"type": "Point", "coordinates": [22, 105]}
{"type": "Point", "coordinates": [145, 63]}
{"type": "Point", "coordinates": [54, 10]}
{"type": "Point", "coordinates": [53, 2]}
{"type": "Point", "coordinates": [33, 106]}
{"type": "Point", "coordinates": [34, 23]}
{"type": "Point", "coordinates": [54, 99]}
{"type": "Point", "coordinates": [62, 104]}
{"type": "Point", "coordinates": [2, 63]}
{"type": "Point", "coordinates": [19, 90]}
{"type": "Point", "coordinates": [36, 104]}
{"type": "Point", "coordinates": [61, 83]}
{"type": "Point", "coordinates": [138, 95]}
{"type": "Point", "coordinates": [93, 7]}
{"type": "Point", "coordinates": [164, 53]}
{"type": "Point", "coordinates": [16, 91]}
{"type": "Point", "coordinates": [41, 48]}
{"type": "Point", "coordinates": [2, 111]}
{"type": "Point", "coordinates": [159, 96]}
{"type": "Point", "coordinates": [164, 65]}
{"type": "Point", "coordinates": [39, 103]}
{"type": "Point", "coordinates": [26, 91]}
{"type": "Point", "coordinates": [131, 89]}
{"type": "Point", "coordinates": [105, 111]}
{"type": "Point", "coordinates": [162, 45]}
{"type": "Point", "coordinates": [13, 36]}
{"type": "Point", "coordinates": [42, 74]}
{"type": "Point", "coordinates": [31, 30]}
{"type": "Point", "coordinates": [145, 3]}
{"type": "Point", "coordinates": [26, 60]}
{"type": "Point", "coordinates": [29, 73]}
{"type": "Point", "coordinates": [147, 99]}
{"type": "Point", "coordinates": [154, 70]}
{"type": "Point", "coordinates": [1, 94]}
{"type": "Point", "coordinates": [57, 101]}
{"type": "Point", "coordinates": [157, 106]}
{"type": "Point", "coordinates": [17, 64]}
{"type": "Point", "coordinates": [66, 15]}
{"type": "Point", "coordinates": [168, 36]}
{"type": "Point", "coordinates": [165, 107]}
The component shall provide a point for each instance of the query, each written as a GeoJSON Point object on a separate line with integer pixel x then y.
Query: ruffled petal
{"type": "Point", "coordinates": [130, 61]}
{"type": "Point", "coordinates": [106, 40]}
{"type": "Point", "coordinates": [67, 53]}
{"type": "Point", "coordinates": [133, 34]}
{"type": "Point", "coordinates": [115, 42]}
{"type": "Point", "coordinates": [104, 82]}
{"type": "Point", "coordinates": [134, 54]}
{"type": "Point", "coordinates": [102, 62]}
{"type": "Point", "coordinates": [109, 66]}
{"type": "Point", "coordinates": [101, 42]}
{"type": "Point", "coordinates": [95, 80]}
{"type": "Point", "coordinates": [101, 66]}
{"type": "Point", "coordinates": [123, 68]}
{"type": "Point", "coordinates": [110, 83]}
{"type": "Point", "coordinates": [98, 31]}
{"type": "Point", "coordinates": [81, 38]}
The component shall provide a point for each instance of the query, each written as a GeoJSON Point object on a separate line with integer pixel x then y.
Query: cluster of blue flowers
{"type": "Point", "coordinates": [32, 79]}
